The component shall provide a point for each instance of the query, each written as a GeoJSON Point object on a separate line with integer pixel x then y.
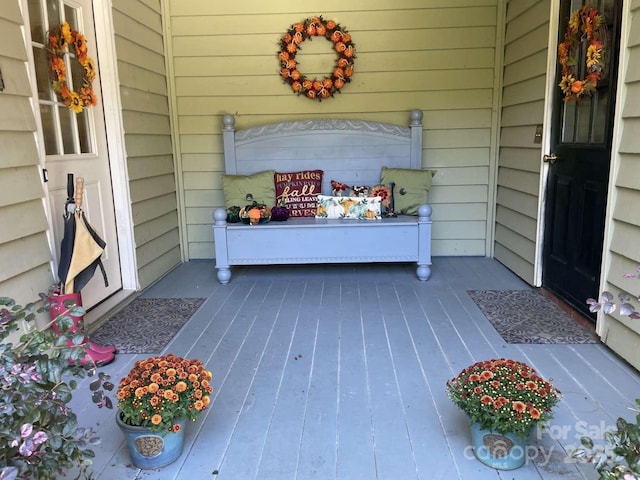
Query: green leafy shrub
{"type": "Point", "coordinates": [619, 457]}
{"type": "Point", "coordinates": [39, 434]}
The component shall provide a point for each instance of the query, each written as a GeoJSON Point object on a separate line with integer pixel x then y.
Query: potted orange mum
{"type": "Point", "coordinates": [155, 401]}
{"type": "Point", "coordinates": [504, 399]}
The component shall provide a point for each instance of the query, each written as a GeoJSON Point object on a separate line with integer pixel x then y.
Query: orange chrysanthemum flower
{"type": "Point", "coordinates": [503, 395]}
{"type": "Point", "coordinates": [519, 406]}
{"type": "Point", "coordinates": [164, 393]}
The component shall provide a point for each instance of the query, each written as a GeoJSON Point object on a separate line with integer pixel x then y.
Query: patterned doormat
{"type": "Point", "coordinates": [146, 325]}
{"type": "Point", "coordinates": [527, 316]}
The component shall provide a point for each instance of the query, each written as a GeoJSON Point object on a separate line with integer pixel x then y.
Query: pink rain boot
{"type": "Point", "coordinates": [100, 355]}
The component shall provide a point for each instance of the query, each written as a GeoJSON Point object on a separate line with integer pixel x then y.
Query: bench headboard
{"type": "Point", "coordinates": [350, 151]}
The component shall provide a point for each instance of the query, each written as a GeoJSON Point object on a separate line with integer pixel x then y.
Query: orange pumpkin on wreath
{"type": "Point", "coordinates": [342, 44]}
{"type": "Point", "coordinates": [63, 40]}
{"type": "Point", "coordinates": [584, 24]}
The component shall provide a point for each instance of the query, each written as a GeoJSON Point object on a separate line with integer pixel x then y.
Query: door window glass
{"type": "Point", "coordinates": [48, 129]}
{"type": "Point", "coordinates": [600, 117]}
{"type": "Point", "coordinates": [35, 20]}
{"type": "Point", "coordinates": [583, 120]}
{"type": "Point", "coordinates": [568, 122]}
{"type": "Point", "coordinates": [41, 61]}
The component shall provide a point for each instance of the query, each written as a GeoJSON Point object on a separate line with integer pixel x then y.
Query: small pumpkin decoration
{"type": "Point", "coordinates": [280, 213]}
{"type": "Point", "coordinates": [335, 210]}
{"type": "Point", "coordinates": [233, 214]}
{"type": "Point", "coordinates": [255, 213]}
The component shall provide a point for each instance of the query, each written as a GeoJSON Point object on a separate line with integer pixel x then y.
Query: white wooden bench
{"type": "Point", "coordinates": [350, 151]}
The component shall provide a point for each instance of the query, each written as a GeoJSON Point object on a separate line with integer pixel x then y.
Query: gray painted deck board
{"type": "Point", "coordinates": [338, 372]}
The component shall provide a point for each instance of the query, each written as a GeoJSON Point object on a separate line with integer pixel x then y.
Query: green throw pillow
{"type": "Point", "coordinates": [259, 185]}
{"type": "Point", "coordinates": [410, 189]}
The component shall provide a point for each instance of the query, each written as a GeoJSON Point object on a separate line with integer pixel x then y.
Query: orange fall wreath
{"type": "Point", "coordinates": [62, 40]}
{"type": "Point", "coordinates": [585, 24]}
{"type": "Point", "coordinates": [343, 68]}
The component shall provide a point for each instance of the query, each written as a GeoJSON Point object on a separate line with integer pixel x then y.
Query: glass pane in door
{"type": "Point", "coordinates": [41, 61]}
{"type": "Point", "coordinates": [600, 116]}
{"type": "Point", "coordinates": [584, 120]}
{"type": "Point", "coordinates": [67, 127]}
{"type": "Point", "coordinates": [568, 122]}
{"type": "Point", "coordinates": [36, 22]}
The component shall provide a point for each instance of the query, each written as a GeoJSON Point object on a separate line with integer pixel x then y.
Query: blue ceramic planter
{"type": "Point", "coordinates": [500, 451]}
{"type": "Point", "coordinates": [152, 449]}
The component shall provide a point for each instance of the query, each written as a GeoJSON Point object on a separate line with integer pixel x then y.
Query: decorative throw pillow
{"type": "Point", "coordinates": [339, 189]}
{"type": "Point", "coordinates": [298, 191]}
{"type": "Point", "coordinates": [360, 191]}
{"type": "Point", "coordinates": [241, 190]}
{"type": "Point", "coordinates": [361, 208]}
{"type": "Point", "coordinates": [384, 191]}
{"type": "Point", "coordinates": [410, 187]}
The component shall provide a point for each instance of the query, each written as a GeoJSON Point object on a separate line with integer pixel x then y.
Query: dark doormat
{"type": "Point", "coordinates": [527, 316]}
{"type": "Point", "coordinates": [146, 325]}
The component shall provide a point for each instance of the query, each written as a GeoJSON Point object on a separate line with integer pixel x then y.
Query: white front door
{"type": "Point", "coordinates": [75, 141]}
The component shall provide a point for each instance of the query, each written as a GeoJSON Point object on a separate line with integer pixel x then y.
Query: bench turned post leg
{"type": "Point", "coordinates": [220, 238]}
{"type": "Point", "coordinates": [423, 272]}
{"type": "Point", "coordinates": [224, 275]}
{"type": "Point", "coordinates": [424, 243]}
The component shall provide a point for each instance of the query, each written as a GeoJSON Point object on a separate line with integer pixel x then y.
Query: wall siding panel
{"type": "Point", "coordinates": [526, 38]}
{"type": "Point", "coordinates": [337, 7]}
{"type": "Point", "coordinates": [151, 272]}
{"type": "Point", "coordinates": [254, 65]}
{"type": "Point", "coordinates": [622, 254]}
{"type": "Point", "coordinates": [435, 56]}
{"type": "Point", "coordinates": [24, 250]}
{"type": "Point", "coordinates": [145, 109]}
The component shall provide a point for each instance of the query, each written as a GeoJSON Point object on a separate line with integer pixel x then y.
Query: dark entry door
{"type": "Point", "coordinates": [579, 170]}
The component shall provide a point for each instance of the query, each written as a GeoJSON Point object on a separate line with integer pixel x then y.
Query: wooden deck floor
{"type": "Point", "coordinates": [338, 373]}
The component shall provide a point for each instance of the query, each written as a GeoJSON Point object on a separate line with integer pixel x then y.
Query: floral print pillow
{"type": "Point", "coordinates": [383, 190]}
{"type": "Point", "coordinates": [361, 208]}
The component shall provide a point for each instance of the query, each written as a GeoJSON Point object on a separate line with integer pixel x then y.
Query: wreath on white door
{"type": "Point", "coordinates": [64, 40]}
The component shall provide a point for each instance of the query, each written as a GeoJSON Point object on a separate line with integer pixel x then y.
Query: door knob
{"type": "Point", "coordinates": [550, 158]}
